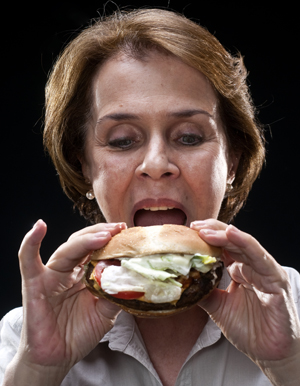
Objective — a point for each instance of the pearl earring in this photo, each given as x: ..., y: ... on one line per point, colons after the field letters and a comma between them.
x: 90, y: 195
x: 229, y: 188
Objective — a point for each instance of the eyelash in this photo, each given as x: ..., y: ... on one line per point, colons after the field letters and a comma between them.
x: 125, y: 143
x: 197, y: 139
x: 122, y: 143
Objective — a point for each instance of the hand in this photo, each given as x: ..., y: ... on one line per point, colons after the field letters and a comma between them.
x: 256, y: 312
x: 63, y: 321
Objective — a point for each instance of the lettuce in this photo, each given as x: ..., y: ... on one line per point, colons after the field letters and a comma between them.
x: 162, y: 267
x: 154, y: 275
x: 145, y: 269
x: 203, y: 263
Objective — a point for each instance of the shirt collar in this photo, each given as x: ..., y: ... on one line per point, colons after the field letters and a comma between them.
x: 122, y: 332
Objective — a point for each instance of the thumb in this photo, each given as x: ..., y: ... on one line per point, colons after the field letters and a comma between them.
x: 214, y: 302
x: 218, y: 300
x: 29, y: 254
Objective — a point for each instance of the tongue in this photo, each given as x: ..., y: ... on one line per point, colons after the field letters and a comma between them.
x: 145, y: 218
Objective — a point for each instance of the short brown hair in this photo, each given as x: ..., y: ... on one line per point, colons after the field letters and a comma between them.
x: 69, y: 97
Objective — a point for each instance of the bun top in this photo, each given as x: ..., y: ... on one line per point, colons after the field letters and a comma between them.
x: 156, y: 239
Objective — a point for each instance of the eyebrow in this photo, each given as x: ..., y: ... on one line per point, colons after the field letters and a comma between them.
x: 175, y: 114
x: 189, y: 113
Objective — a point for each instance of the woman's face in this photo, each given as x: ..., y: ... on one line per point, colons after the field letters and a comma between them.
x: 156, y: 151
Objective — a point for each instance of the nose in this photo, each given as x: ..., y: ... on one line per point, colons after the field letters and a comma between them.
x: 158, y: 161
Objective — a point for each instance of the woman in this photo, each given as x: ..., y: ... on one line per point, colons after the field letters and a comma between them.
x: 146, y: 110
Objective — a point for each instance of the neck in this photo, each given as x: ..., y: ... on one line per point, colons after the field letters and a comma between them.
x: 169, y: 340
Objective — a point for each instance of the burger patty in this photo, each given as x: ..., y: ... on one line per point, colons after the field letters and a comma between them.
x: 197, y: 285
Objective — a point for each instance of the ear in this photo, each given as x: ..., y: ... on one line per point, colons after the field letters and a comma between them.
x: 85, y: 169
x: 233, y: 163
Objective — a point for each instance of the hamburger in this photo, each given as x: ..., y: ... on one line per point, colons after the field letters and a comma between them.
x: 154, y: 271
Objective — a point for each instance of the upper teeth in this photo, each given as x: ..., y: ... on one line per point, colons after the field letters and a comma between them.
x: 155, y: 208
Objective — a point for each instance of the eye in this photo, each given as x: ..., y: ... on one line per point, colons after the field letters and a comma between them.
x: 121, y: 143
x: 190, y: 139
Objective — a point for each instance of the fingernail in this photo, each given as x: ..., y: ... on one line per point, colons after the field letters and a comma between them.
x: 102, y: 234
x: 198, y: 223
x: 36, y: 224
x: 115, y: 225
x: 232, y: 228
x: 208, y: 231
x: 121, y: 225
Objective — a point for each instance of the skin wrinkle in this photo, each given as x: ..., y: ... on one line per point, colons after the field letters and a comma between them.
x: 175, y: 114
x: 153, y: 115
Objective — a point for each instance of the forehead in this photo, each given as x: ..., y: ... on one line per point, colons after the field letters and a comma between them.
x: 157, y: 81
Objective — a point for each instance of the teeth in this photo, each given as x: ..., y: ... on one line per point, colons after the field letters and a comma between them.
x: 156, y: 208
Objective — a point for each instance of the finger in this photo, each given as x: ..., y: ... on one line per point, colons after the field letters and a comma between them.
x: 217, y: 238
x: 216, y: 299
x: 80, y: 245
x: 210, y: 226
x: 210, y: 223
x: 113, y: 228
x: 108, y: 309
x: 76, y: 250
x: 239, y: 245
x: 246, y: 249
x: 249, y: 260
x: 29, y: 253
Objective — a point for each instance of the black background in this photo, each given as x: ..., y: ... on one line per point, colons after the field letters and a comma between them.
x: 32, y: 37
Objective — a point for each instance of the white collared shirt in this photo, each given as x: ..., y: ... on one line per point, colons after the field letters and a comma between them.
x: 122, y: 359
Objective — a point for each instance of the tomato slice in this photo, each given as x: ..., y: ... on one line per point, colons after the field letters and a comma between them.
x: 102, y: 265
x: 120, y: 295
x: 128, y: 295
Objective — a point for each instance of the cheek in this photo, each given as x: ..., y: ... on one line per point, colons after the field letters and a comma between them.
x: 111, y: 177
x: 211, y: 175
x: 219, y: 178
x: 107, y: 176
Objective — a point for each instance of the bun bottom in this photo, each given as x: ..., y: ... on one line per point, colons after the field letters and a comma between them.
x: 199, y: 289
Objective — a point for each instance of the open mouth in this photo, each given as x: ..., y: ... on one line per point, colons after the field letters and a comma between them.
x: 159, y: 216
